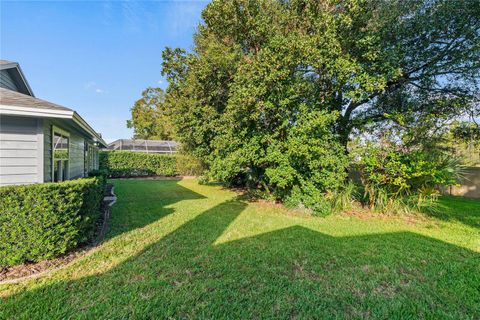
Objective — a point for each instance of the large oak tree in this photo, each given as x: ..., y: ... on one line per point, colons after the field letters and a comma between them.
x: 266, y: 75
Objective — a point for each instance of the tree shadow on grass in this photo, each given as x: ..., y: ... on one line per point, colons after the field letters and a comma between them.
x: 461, y: 209
x: 290, y: 273
x: 141, y: 202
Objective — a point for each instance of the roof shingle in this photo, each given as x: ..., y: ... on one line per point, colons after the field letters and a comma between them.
x: 6, y: 62
x: 13, y: 98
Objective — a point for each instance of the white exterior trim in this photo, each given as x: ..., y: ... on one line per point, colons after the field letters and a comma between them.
x: 36, y: 112
x: 65, y: 133
x: 52, y: 113
x: 85, y: 126
x: 25, y: 80
x: 15, y: 65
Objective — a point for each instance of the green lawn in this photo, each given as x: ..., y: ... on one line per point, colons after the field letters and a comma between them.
x: 182, y: 250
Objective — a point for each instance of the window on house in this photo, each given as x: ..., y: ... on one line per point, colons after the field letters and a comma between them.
x: 60, y: 157
x: 89, y: 158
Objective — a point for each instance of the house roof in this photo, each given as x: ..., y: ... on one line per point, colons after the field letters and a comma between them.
x: 13, y: 68
x: 15, y: 103
x: 2, y: 62
x: 13, y: 98
x: 24, y: 103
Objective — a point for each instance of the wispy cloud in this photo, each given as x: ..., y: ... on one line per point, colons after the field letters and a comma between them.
x: 132, y: 12
x: 136, y: 16
x: 92, y: 86
x: 107, y: 13
x: 186, y: 16
x: 89, y: 84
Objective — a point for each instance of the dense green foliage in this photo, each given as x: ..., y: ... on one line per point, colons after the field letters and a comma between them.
x: 395, y: 180
x: 180, y: 250
x: 464, y: 141
x: 150, y: 120
x: 273, y: 90
x: 134, y: 164
x: 123, y: 164
x: 188, y: 166
x: 41, y: 221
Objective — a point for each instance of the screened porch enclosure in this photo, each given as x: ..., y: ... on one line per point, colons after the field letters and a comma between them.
x: 146, y: 146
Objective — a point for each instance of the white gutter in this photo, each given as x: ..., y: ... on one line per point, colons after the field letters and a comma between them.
x: 38, y: 112
x: 25, y: 80
x: 85, y: 126
x: 52, y: 113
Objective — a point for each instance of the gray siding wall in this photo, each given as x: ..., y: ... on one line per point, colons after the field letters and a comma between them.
x: 26, y: 150
x: 21, y: 154
x: 6, y: 81
x: 47, y: 149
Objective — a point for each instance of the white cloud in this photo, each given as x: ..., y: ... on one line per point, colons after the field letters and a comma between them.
x: 159, y: 81
x: 92, y: 86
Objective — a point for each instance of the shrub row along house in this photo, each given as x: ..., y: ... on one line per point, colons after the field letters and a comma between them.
x: 41, y: 141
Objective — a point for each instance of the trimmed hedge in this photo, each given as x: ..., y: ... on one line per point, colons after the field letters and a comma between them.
x: 123, y: 164
x: 41, y: 221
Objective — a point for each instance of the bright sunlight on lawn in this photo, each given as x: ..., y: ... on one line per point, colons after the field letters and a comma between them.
x: 180, y: 249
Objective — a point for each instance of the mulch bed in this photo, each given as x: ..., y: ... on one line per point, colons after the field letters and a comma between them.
x: 30, y: 269
x: 33, y: 269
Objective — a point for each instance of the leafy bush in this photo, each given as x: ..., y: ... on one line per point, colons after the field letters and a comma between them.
x: 309, y: 198
x: 41, y: 221
x: 299, y: 164
x: 188, y: 165
x: 135, y: 164
x: 122, y: 164
x: 396, y: 180
x: 102, y: 173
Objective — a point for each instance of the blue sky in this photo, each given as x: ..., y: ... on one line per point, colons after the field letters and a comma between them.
x: 95, y: 57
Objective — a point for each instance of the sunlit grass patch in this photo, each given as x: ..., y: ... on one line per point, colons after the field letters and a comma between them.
x: 183, y: 250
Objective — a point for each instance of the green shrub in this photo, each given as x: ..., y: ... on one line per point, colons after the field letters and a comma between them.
x: 122, y: 164
x: 400, y: 181
x: 300, y: 165
x: 309, y: 198
x: 41, y: 221
x: 101, y: 173
x: 189, y: 166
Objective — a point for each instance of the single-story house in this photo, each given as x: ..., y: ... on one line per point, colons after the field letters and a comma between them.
x: 41, y: 141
